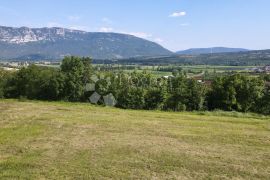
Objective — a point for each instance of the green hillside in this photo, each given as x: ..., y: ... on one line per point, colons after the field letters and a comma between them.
x: 41, y: 140
x: 245, y: 58
x: 212, y: 50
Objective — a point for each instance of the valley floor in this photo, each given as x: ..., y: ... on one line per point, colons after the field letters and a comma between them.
x: 42, y: 140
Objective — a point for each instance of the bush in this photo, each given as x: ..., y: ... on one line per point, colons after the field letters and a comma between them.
x: 131, y: 98
x: 154, y: 98
x: 235, y: 92
x: 184, y: 94
x: 2, y: 82
x: 263, y: 104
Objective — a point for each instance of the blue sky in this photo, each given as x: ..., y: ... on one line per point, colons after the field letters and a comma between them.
x: 175, y: 24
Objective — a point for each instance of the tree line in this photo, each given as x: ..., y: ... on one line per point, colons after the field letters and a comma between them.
x: 136, y: 90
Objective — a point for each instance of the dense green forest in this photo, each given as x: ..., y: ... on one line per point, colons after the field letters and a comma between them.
x: 136, y: 90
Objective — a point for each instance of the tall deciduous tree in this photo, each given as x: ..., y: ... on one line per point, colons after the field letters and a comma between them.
x: 77, y: 72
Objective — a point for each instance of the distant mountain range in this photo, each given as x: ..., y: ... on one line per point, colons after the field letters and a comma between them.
x: 197, y: 51
x: 54, y: 43
x: 247, y: 58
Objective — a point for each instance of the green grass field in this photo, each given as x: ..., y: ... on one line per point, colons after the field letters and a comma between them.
x: 195, y: 69
x: 42, y: 140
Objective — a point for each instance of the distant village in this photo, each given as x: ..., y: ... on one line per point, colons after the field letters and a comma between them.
x: 265, y: 69
x: 16, y: 65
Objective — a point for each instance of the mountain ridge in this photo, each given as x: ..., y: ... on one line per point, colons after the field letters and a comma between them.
x: 56, y: 42
x: 247, y: 58
x: 211, y: 50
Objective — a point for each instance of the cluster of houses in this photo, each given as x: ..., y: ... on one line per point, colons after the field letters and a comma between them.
x: 265, y: 69
x: 11, y: 66
x: 16, y: 65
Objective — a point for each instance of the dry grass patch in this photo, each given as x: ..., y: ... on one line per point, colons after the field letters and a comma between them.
x: 42, y: 140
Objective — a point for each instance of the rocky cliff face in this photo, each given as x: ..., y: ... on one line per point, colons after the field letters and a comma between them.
x: 25, y: 34
x: 54, y: 43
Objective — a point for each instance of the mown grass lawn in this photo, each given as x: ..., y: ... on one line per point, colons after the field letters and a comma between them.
x: 42, y: 140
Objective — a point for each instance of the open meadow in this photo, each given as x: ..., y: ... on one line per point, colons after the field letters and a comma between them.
x: 57, y: 140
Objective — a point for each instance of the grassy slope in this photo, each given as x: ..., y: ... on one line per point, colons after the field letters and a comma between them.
x: 71, y: 141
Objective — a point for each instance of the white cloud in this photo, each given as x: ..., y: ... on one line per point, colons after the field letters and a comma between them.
x: 140, y: 34
x: 144, y: 35
x: 105, y: 29
x: 107, y: 20
x: 184, y: 24
x: 158, y: 40
x: 178, y: 14
x: 81, y: 28
x: 74, y: 18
